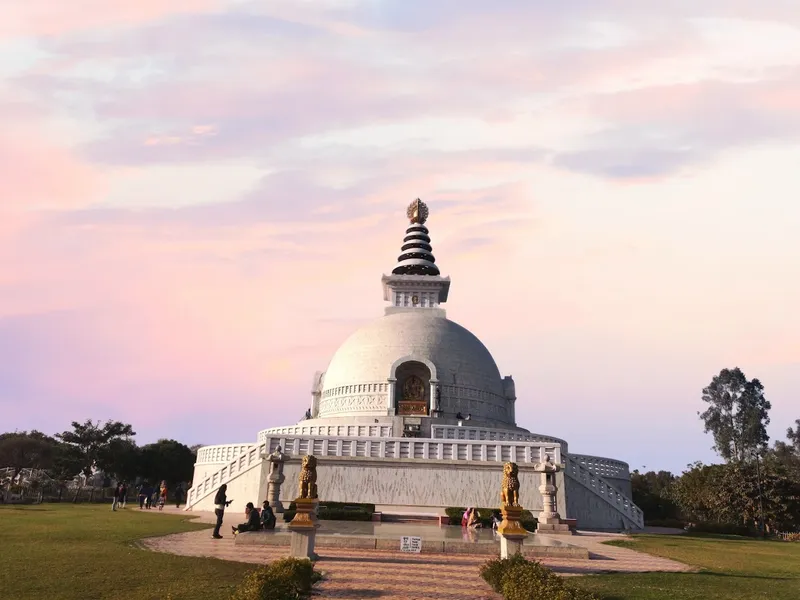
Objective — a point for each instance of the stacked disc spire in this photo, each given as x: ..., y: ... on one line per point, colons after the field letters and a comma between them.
x: 417, y: 257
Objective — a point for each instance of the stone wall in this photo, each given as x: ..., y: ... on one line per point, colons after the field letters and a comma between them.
x: 402, y: 482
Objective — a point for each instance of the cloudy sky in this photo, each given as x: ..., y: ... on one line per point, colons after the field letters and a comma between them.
x: 199, y: 198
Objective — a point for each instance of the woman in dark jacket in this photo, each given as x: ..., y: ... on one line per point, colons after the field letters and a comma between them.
x: 220, y: 502
x: 253, y: 520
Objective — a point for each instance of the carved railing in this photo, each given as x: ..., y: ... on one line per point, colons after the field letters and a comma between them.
x: 486, y: 433
x: 220, y: 453
x: 600, y: 487
x: 605, y: 467
x: 243, y: 462
x: 378, y: 430
x: 392, y: 448
x: 420, y: 449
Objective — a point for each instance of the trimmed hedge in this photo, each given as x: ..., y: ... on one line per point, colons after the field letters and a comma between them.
x: 672, y: 523
x: 337, y: 511
x: 455, y: 513
x: 517, y: 578
x: 285, y: 579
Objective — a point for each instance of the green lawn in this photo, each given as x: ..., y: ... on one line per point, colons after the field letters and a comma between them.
x: 732, y: 568
x: 85, y: 552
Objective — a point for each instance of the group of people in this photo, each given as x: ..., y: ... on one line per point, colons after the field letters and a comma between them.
x: 148, y: 495
x: 256, y: 519
x: 470, y: 519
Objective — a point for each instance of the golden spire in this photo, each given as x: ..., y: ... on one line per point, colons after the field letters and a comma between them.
x: 417, y: 211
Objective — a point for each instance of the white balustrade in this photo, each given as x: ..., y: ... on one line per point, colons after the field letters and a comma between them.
x: 420, y: 449
x: 445, y: 446
x: 606, y: 467
x: 220, y: 453
x: 600, y: 487
x: 485, y: 433
x: 366, y: 430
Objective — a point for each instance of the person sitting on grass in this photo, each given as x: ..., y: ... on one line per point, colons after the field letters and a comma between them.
x: 268, y: 518
x: 253, y: 520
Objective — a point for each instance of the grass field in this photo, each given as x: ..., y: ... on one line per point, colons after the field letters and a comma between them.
x: 84, y: 552
x: 732, y: 569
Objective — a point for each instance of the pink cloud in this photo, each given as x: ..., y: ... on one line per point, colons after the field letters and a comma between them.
x: 46, y: 18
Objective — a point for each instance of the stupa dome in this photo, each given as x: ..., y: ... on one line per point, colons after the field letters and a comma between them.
x: 414, y: 342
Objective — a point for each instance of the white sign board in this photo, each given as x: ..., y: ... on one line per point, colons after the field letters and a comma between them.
x: 410, y: 544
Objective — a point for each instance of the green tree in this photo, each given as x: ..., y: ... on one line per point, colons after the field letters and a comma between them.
x: 167, y: 460
x: 121, y: 459
x: 652, y: 493
x: 737, y: 416
x: 92, y: 441
x: 67, y: 463
x: 23, y: 450
x: 793, y: 435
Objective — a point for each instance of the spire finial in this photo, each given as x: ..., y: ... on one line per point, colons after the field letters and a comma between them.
x: 417, y: 211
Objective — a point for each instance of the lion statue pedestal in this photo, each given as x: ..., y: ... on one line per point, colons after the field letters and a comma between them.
x: 304, y: 524
x: 512, y: 533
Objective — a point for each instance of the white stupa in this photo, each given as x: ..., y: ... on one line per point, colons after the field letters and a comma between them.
x: 413, y: 415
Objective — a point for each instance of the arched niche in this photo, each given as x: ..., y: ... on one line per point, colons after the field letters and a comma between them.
x: 412, y: 388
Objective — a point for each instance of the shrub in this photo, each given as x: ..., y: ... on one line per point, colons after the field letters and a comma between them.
x: 493, y: 571
x: 285, y: 579
x: 672, y: 523
x: 337, y: 511
x: 520, y: 579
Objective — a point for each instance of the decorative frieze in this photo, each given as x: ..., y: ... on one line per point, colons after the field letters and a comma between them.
x: 361, y: 403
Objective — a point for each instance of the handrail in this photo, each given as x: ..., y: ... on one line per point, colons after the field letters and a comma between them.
x: 600, y: 487
x: 600, y: 465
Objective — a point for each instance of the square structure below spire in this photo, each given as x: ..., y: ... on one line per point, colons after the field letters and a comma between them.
x: 415, y: 292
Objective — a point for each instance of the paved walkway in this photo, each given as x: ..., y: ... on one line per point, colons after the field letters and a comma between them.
x: 358, y: 574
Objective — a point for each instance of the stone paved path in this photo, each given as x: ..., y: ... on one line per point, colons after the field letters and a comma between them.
x: 356, y: 574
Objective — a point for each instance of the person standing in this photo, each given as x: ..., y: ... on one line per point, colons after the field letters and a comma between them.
x: 163, y: 495
x: 178, y: 495
x: 115, y: 501
x: 220, y: 502
x: 123, y: 494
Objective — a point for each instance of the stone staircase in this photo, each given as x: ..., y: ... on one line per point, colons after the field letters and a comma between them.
x: 632, y: 515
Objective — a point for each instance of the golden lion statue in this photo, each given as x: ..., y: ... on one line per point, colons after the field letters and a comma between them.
x: 509, y: 492
x: 308, y: 477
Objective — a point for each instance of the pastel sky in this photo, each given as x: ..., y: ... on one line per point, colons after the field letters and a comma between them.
x: 199, y: 198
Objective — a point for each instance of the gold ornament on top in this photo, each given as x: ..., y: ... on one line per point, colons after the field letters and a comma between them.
x: 417, y: 211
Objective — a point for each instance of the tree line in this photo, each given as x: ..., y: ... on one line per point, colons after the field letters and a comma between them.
x: 756, y: 489
x: 91, y: 448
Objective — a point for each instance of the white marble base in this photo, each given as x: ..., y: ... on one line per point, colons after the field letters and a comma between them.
x: 302, y: 544
x: 510, y: 546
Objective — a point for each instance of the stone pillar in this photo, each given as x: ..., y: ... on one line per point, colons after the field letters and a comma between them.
x: 432, y: 401
x: 275, y: 479
x: 390, y: 408
x: 305, y: 523
x: 304, y: 529
x: 512, y: 533
x: 550, y: 521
